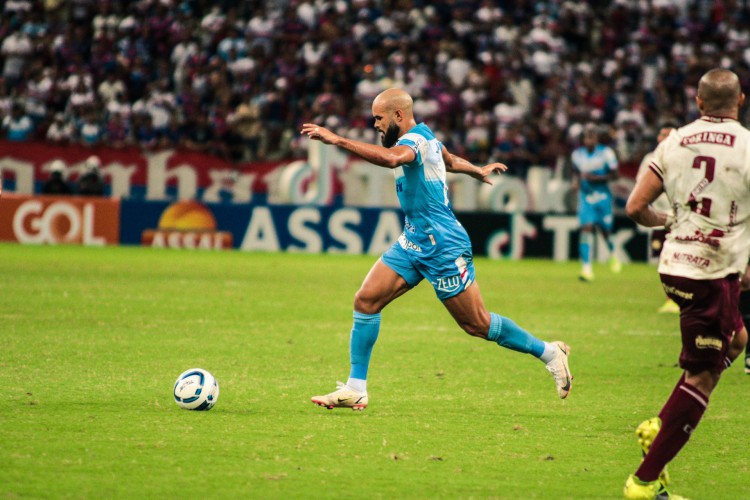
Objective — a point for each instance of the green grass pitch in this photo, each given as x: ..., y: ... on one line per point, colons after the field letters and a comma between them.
x: 92, y: 340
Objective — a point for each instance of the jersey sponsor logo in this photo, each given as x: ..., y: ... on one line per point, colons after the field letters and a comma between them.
x: 693, y: 260
x: 710, y: 138
x: 595, y: 197
x: 408, y: 245
x: 677, y: 292
x: 702, y: 342
x: 708, y: 239
x: 450, y: 284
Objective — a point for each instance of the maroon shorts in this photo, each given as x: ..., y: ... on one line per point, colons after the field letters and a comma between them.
x: 709, y: 318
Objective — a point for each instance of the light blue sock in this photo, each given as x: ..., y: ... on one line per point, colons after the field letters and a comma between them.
x: 584, y: 247
x: 364, y: 334
x: 508, y: 334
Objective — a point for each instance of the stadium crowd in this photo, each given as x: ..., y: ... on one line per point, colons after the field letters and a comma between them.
x: 511, y: 81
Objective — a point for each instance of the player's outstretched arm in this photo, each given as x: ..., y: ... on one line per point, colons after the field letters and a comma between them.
x: 460, y: 165
x: 379, y: 155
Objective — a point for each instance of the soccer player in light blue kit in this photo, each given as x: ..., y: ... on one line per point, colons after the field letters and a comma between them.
x: 433, y: 246
x: 594, y: 166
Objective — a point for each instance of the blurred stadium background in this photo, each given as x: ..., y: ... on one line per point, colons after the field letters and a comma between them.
x: 198, y: 100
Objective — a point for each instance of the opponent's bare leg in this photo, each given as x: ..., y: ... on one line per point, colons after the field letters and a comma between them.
x: 677, y: 420
x: 739, y: 341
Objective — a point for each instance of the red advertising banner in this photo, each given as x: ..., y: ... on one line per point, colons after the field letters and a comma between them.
x: 59, y: 219
x: 132, y: 172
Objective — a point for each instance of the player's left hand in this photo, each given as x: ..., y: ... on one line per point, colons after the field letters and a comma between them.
x: 318, y: 133
x: 492, y: 168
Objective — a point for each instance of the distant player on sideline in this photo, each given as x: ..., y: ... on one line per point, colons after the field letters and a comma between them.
x: 704, y: 167
x: 434, y: 245
x: 660, y: 204
x: 594, y: 166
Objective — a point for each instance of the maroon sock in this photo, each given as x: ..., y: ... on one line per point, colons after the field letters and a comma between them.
x: 670, y: 402
x: 679, y: 417
x: 727, y: 363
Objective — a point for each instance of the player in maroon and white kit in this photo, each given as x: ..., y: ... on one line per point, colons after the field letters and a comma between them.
x: 704, y: 167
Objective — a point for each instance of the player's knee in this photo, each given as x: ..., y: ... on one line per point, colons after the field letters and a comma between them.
x: 365, y: 303
x: 477, y: 327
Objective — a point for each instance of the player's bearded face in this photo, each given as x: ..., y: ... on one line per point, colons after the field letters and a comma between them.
x: 390, y: 136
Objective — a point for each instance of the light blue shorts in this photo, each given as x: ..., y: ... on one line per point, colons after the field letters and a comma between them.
x: 451, y: 271
x: 598, y: 213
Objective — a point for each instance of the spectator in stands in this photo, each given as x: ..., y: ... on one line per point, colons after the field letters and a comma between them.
x: 17, y: 126
x: 117, y: 131
x: 246, y: 122
x: 16, y: 49
x: 172, y: 135
x: 91, y: 131
x: 90, y: 183
x: 199, y: 135
x: 146, y: 137
x: 110, y: 87
x: 60, y: 131
x: 56, y: 184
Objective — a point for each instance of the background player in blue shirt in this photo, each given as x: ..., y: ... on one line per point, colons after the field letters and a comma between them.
x: 594, y: 166
x: 433, y: 246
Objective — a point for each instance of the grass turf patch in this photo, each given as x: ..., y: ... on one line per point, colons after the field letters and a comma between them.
x: 93, y: 339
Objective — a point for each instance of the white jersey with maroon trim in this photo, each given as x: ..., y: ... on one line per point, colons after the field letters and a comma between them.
x: 705, y: 167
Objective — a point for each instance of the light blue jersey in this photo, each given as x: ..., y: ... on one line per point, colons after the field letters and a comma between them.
x: 595, y: 198
x: 422, y: 190
x: 434, y: 245
x: 601, y: 161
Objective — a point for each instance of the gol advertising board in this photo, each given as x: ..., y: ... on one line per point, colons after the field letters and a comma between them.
x: 59, y: 219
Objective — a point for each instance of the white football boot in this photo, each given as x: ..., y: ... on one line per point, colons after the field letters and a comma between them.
x: 559, y: 369
x: 344, y: 397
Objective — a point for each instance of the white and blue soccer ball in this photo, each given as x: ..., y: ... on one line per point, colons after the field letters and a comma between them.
x: 196, y: 389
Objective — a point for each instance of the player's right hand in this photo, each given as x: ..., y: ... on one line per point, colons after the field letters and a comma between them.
x: 318, y: 133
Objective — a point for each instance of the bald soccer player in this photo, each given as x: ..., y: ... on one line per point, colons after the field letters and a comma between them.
x: 704, y: 167
x: 433, y: 246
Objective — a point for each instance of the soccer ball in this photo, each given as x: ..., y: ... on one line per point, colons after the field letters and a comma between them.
x: 196, y: 389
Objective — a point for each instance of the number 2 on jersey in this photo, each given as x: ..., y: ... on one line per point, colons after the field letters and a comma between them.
x: 702, y: 205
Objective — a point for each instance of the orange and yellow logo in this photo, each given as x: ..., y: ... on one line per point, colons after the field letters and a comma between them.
x: 187, y: 224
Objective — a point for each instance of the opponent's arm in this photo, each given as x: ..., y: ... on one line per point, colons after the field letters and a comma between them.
x: 638, y: 207
x: 459, y: 165
x: 379, y: 155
